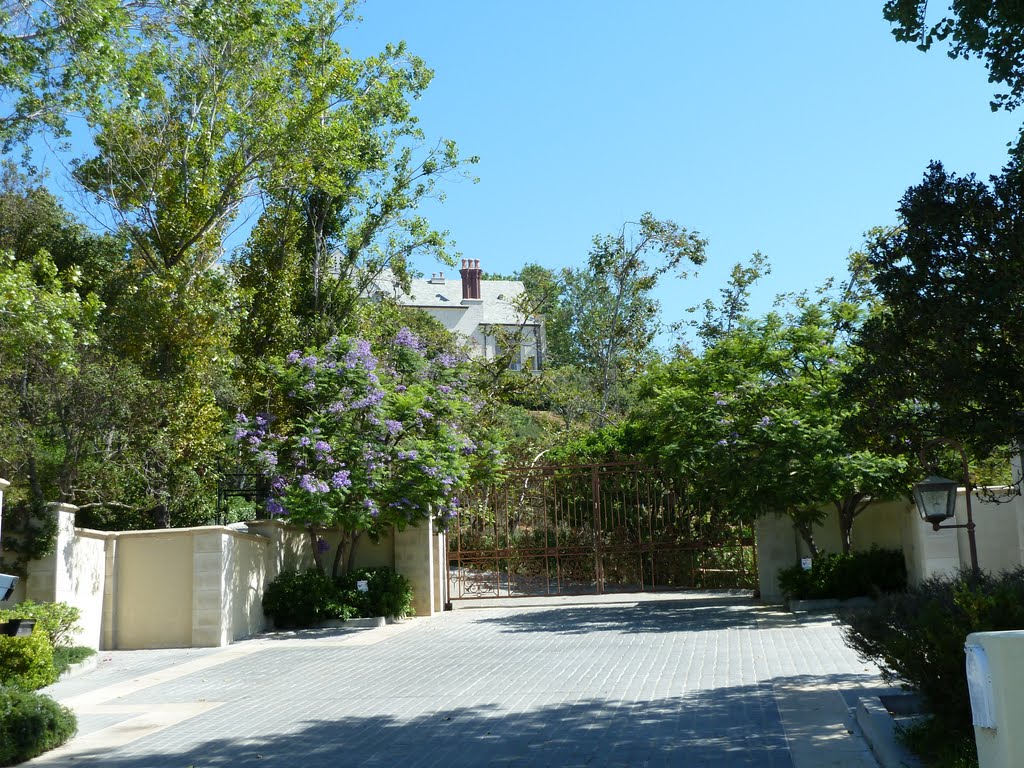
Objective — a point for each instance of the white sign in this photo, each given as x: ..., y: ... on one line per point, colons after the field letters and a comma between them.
x: 362, y: 586
x: 979, y: 684
x: 805, y: 563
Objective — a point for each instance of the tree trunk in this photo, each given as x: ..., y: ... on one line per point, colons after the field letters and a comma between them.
x: 314, y: 545
x: 847, y: 512
x: 806, y: 531
x: 339, y: 556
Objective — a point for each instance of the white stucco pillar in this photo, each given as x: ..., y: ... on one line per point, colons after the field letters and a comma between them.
x: 51, y: 578
x: 776, y: 549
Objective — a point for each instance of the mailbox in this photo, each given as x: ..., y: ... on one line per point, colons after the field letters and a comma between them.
x: 7, y: 583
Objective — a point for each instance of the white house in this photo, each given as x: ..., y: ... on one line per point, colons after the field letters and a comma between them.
x: 483, y: 312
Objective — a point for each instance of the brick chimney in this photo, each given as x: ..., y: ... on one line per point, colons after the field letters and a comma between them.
x: 470, y: 278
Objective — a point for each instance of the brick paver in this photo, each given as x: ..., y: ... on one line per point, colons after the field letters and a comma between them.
x: 665, y: 680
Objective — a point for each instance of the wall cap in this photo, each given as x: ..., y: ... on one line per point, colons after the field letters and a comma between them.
x: 154, y: 532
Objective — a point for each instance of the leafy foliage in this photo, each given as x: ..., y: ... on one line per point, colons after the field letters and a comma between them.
x: 388, y: 593
x: 364, y: 443
x: 58, y: 621
x: 761, y: 417
x: 606, y: 319
x: 27, y: 662
x: 974, y: 28
x: 303, y: 598
x: 918, y: 637
x: 64, y: 656
x: 941, y: 358
x: 30, y: 724
x: 845, y: 575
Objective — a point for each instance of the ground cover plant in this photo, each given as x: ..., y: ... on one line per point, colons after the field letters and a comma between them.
x: 917, y: 639
x: 845, y: 575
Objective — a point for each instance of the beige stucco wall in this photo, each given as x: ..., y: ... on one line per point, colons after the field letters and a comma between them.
x: 153, y: 602
x: 246, y: 580
x: 194, y: 587
x: 999, y: 532
x: 83, y: 584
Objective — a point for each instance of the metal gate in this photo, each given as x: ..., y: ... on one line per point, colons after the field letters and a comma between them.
x: 591, y: 529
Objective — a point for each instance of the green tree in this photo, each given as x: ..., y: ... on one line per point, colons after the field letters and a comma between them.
x: 943, y: 355
x: 606, y: 318
x: 988, y: 29
x: 359, y: 443
x: 760, y: 422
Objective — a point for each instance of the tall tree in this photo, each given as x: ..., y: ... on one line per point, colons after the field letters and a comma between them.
x: 944, y: 355
x: 759, y: 420
x: 607, y: 316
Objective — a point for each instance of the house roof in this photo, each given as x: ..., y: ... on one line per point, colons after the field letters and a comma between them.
x: 497, y: 300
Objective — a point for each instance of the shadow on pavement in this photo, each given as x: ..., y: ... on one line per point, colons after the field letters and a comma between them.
x: 732, y: 726
x: 691, y: 615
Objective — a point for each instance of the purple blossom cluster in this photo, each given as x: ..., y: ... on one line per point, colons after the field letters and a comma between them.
x: 360, y: 356
x: 406, y: 338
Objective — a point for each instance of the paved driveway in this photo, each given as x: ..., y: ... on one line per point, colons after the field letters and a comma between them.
x: 696, y: 679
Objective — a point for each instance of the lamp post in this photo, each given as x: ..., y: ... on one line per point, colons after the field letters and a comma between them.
x: 936, y: 498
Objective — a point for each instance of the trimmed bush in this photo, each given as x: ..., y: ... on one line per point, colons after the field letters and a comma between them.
x: 58, y: 620
x: 842, y: 576
x: 30, y: 724
x: 27, y: 662
x: 389, y: 593
x: 304, y: 598
x: 917, y: 638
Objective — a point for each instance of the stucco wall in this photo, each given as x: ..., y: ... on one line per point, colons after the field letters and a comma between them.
x: 999, y: 534
x: 245, y: 573
x: 153, y: 602
x: 194, y: 587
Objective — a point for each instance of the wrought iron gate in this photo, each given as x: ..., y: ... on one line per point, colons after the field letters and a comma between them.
x: 590, y: 529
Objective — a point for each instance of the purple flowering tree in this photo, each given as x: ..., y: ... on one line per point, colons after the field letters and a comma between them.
x: 362, y: 440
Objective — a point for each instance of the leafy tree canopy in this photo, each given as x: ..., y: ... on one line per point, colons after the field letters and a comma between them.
x: 944, y: 354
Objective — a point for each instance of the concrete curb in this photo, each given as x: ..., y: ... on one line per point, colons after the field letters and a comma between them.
x: 376, y: 621
x: 827, y: 605
x: 879, y: 731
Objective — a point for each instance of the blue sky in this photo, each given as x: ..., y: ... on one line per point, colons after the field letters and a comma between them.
x: 786, y: 127
x: 790, y: 127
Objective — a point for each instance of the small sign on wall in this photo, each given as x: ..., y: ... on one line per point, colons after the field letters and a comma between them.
x: 805, y: 563
x: 979, y: 685
x: 362, y: 585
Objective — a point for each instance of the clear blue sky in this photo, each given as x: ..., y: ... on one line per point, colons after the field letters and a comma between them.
x: 789, y: 127
x: 786, y: 127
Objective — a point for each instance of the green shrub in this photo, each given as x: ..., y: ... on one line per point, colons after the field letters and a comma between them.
x: 842, y: 576
x: 58, y: 620
x: 388, y: 593
x: 30, y: 724
x: 303, y: 599
x: 939, y: 747
x: 918, y: 637
x: 27, y: 662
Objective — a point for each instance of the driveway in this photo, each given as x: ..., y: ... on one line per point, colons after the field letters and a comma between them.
x: 692, y: 679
